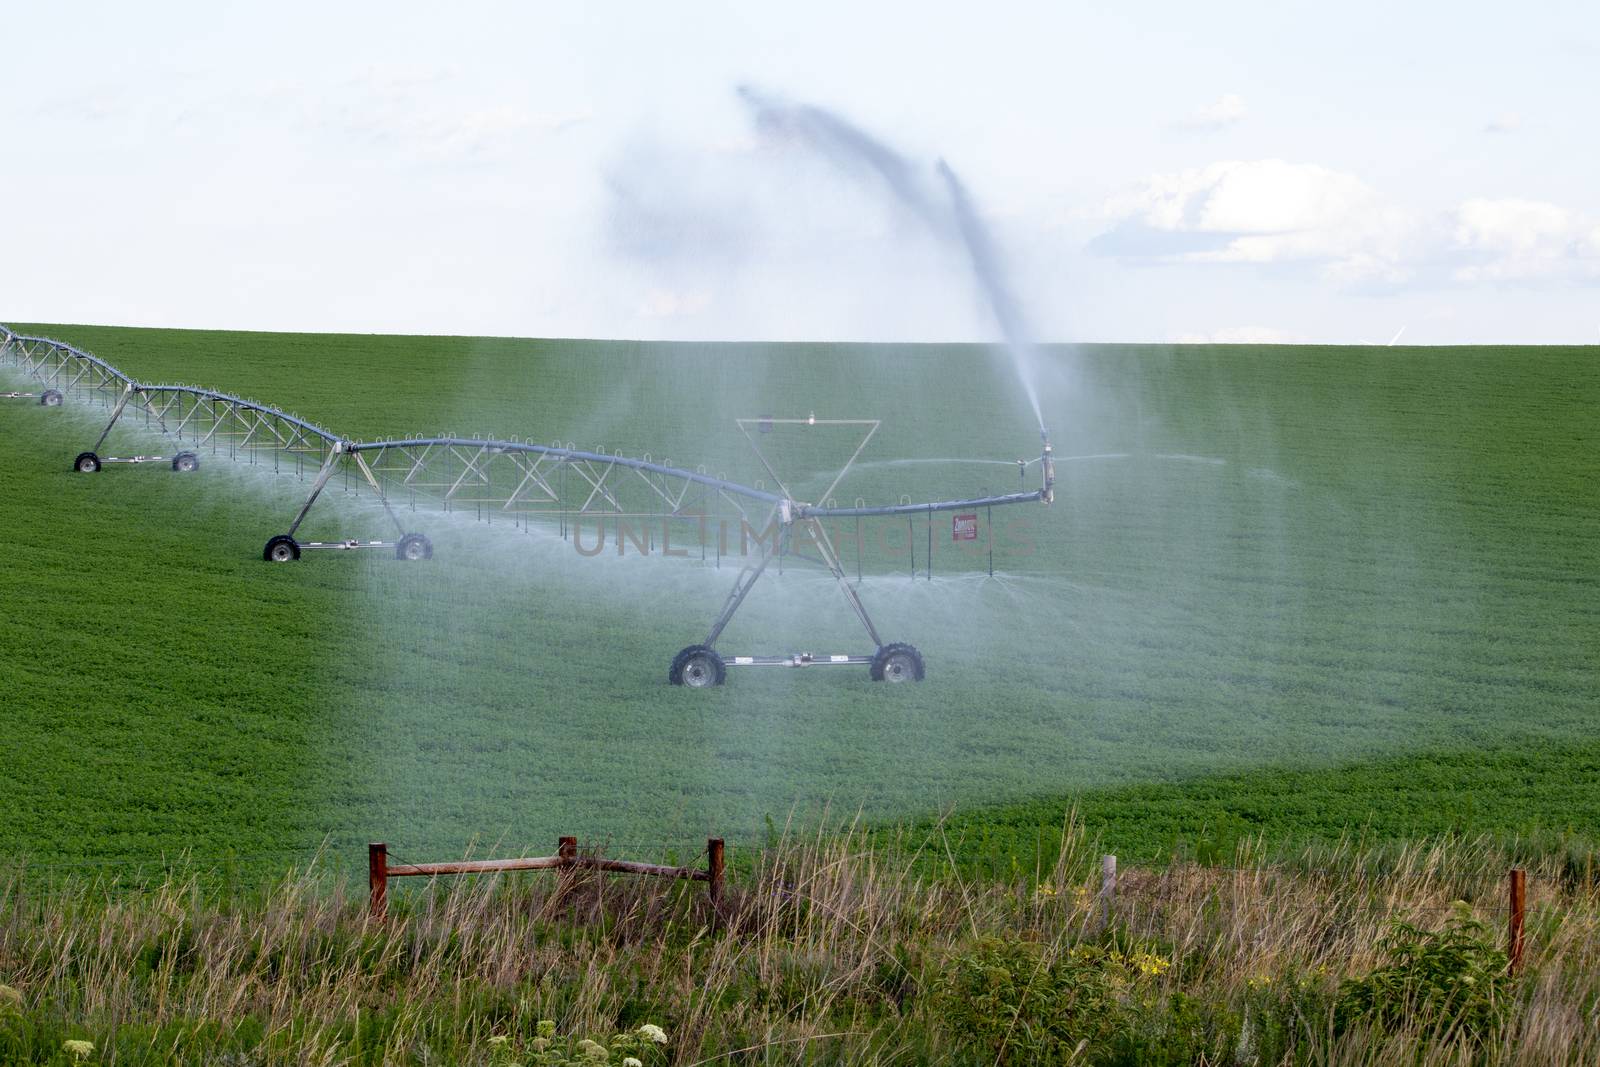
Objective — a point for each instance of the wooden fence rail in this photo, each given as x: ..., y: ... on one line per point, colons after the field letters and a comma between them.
x: 567, y: 857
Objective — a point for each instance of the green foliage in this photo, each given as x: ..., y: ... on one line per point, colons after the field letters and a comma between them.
x: 1449, y: 982
x: 1021, y: 1004
x: 1369, y: 602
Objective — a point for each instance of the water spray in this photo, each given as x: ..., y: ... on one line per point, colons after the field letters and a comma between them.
x: 954, y: 216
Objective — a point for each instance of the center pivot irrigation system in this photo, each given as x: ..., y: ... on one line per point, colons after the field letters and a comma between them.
x: 518, y: 480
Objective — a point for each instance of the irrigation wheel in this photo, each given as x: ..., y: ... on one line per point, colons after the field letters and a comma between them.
x: 412, y: 547
x: 697, y: 666
x: 185, y: 462
x: 86, y: 463
x: 50, y: 398
x: 281, y: 549
x: 898, y: 663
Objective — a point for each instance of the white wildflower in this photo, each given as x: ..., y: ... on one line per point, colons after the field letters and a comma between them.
x: 654, y: 1033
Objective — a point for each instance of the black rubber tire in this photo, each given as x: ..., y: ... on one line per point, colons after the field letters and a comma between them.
x: 898, y: 663
x: 185, y: 461
x: 281, y: 549
x: 86, y: 463
x: 50, y: 398
x: 698, y: 667
x: 414, y: 546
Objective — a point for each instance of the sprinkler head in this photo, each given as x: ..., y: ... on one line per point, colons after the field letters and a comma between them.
x: 1047, y: 465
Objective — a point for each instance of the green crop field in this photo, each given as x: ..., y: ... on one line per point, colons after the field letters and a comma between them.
x: 1291, y: 591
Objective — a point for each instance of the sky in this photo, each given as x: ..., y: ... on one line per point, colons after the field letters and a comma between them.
x: 1295, y: 172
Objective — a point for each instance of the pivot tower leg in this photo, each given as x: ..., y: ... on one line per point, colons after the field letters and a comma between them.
x: 116, y: 413
x: 366, y: 472
x: 317, y: 486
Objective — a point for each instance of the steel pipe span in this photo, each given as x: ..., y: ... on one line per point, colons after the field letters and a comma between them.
x: 804, y: 512
x: 8, y: 338
x: 568, y: 454
x: 77, y: 353
x: 921, y: 509
x: 208, y: 394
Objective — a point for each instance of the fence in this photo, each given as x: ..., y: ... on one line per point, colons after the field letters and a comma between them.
x: 1116, y: 891
x: 567, y: 858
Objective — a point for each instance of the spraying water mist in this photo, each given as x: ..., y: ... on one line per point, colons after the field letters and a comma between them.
x: 987, y: 269
x: 957, y: 219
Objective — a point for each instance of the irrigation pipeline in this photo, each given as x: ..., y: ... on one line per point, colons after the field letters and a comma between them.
x: 16, y: 347
x: 31, y: 354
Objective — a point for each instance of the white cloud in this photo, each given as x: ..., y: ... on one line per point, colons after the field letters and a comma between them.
x: 1514, y: 227
x: 1221, y: 112
x: 1523, y: 240
x: 1299, y: 216
x: 390, y: 76
x: 1505, y: 122
x: 1263, y: 212
x: 1241, y: 335
x: 98, y: 105
x: 672, y: 303
x: 451, y: 132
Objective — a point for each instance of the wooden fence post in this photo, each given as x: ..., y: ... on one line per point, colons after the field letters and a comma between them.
x: 1108, y: 888
x: 378, y: 880
x: 1519, y: 900
x: 714, y: 871
x: 567, y: 872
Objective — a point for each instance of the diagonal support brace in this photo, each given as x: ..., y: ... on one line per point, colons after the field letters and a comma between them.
x: 116, y: 413
x: 317, y: 486
x: 383, y: 497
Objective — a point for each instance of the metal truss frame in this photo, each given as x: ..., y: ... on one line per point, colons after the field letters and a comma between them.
x: 511, y: 478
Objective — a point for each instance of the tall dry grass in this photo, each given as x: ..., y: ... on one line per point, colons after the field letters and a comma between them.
x: 831, y: 948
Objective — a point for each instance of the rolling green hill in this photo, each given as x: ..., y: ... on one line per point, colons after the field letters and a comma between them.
x: 1283, y: 590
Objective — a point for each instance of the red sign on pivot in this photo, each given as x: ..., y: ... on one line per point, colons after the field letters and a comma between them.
x: 963, y: 527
